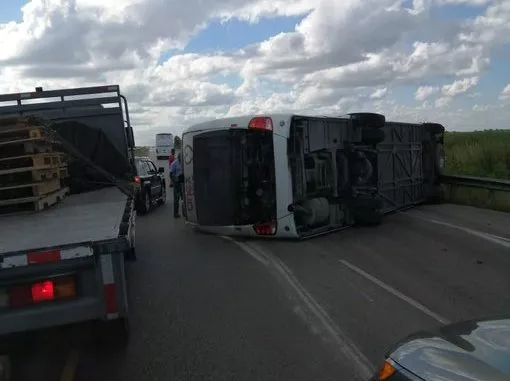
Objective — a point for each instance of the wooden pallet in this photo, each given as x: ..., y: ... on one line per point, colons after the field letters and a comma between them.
x: 40, y: 188
x: 36, y: 175
x: 35, y: 203
x: 32, y: 161
x: 21, y: 132
x: 27, y: 148
x: 14, y: 120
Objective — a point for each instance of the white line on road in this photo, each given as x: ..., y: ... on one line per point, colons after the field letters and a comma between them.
x: 395, y: 292
x: 321, y: 317
x: 505, y: 242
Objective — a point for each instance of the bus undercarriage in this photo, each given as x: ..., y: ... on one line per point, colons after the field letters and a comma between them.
x: 351, y: 171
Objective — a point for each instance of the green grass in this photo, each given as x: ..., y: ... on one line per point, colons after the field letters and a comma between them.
x: 478, y: 153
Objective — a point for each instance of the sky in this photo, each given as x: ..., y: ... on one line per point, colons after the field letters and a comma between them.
x: 184, y: 62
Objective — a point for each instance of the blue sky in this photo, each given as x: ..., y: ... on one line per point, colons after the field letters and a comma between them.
x: 10, y: 10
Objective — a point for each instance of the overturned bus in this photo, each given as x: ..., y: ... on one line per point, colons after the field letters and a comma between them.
x: 293, y: 176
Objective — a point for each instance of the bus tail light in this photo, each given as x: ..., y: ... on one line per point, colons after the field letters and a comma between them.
x: 265, y: 228
x: 261, y: 123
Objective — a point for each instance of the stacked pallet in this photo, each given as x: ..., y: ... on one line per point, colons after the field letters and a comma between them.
x: 32, y: 167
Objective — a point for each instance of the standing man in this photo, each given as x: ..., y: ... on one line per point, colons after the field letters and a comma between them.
x: 171, y: 159
x: 176, y: 176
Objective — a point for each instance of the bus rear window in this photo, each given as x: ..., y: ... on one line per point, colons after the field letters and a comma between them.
x: 234, y: 177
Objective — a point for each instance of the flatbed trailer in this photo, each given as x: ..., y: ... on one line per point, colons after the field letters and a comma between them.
x: 66, y: 264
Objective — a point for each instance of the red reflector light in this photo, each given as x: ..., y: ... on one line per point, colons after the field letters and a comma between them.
x: 43, y: 291
x: 110, y: 296
x: 266, y: 228
x: 261, y: 123
x: 137, y: 179
x: 44, y: 256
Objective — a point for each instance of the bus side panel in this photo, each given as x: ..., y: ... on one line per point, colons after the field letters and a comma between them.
x: 189, y: 204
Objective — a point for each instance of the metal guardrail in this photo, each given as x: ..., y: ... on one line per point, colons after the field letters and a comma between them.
x: 477, y: 182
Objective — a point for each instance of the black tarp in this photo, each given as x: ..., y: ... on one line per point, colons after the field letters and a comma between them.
x: 94, y: 145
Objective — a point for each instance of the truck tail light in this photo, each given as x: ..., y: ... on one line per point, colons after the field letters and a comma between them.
x: 261, y: 123
x: 265, y: 228
x: 43, y: 291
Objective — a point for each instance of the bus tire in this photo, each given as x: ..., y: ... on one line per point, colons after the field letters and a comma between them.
x: 435, y: 196
x: 434, y: 128
x: 368, y: 119
x: 368, y: 217
x: 372, y: 136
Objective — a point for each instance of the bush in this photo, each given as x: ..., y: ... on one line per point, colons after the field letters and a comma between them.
x: 479, y: 153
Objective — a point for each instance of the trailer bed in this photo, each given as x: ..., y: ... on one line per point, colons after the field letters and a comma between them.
x: 92, y: 216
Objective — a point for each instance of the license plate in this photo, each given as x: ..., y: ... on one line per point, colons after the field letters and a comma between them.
x: 4, y: 298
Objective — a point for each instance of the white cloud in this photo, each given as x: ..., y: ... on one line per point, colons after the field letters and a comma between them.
x: 343, y: 56
x: 379, y: 93
x: 442, y: 102
x: 505, y: 93
x: 424, y: 92
x: 458, y: 87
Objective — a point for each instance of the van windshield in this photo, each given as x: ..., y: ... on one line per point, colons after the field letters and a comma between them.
x: 234, y: 177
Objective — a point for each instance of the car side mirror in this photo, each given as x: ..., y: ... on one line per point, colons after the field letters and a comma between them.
x: 161, y: 170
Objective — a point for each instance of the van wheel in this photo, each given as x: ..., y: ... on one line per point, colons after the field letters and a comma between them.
x: 368, y: 119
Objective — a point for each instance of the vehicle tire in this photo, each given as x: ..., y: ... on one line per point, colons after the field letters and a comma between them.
x: 368, y: 119
x: 5, y: 368
x: 162, y: 199
x: 115, y: 333
x: 130, y: 254
x: 434, y: 128
x: 435, y: 196
x: 366, y: 211
x: 146, y: 203
x: 368, y: 217
x: 372, y: 136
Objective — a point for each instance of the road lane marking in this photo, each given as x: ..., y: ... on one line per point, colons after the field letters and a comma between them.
x: 247, y: 249
x: 395, y: 292
x: 70, y: 365
x: 505, y: 242
x: 320, y: 317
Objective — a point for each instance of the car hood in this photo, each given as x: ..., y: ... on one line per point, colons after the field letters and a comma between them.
x: 476, y: 350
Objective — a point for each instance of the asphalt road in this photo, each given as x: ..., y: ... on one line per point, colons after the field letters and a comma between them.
x: 207, y: 308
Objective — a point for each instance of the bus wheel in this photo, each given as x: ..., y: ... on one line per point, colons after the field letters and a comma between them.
x: 372, y: 136
x: 435, y: 196
x: 368, y: 217
x: 434, y: 128
x: 368, y: 119
x: 366, y: 211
